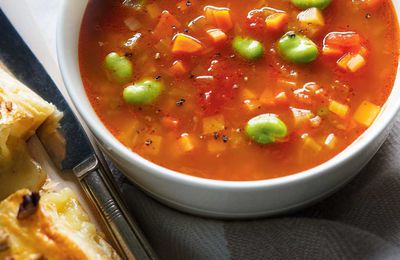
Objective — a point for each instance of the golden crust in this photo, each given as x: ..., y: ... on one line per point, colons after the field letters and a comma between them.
x: 59, y: 229
x: 21, y: 113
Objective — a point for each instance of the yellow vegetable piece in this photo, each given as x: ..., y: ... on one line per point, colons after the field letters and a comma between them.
x: 342, y: 62
x: 366, y: 113
x: 338, y: 108
x: 213, y: 124
x: 301, y: 116
x: 186, y: 143
x: 310, y: 143
x: 356, y: 62
x: 311, y: 16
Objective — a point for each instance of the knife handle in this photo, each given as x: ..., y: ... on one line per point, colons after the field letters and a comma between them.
x: 124, y: 231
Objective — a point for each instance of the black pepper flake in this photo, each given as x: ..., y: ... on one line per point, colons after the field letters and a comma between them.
x: 216, y: 135
x: 148, y: 142
x: 368, y: 16
x: 225, y: 138
x: 291, y: 34
x: 186, y: 30
x: 188, y: 3
x: 28, y: 205
x: 128, y: 54
x: 180, y: 102
x: 158, y: 77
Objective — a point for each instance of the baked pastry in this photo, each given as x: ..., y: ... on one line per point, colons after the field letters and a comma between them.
x: 21, y: 113
x: 51, y: 225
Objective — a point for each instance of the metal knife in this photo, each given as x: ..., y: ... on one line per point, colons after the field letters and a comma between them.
x: 79, y: 155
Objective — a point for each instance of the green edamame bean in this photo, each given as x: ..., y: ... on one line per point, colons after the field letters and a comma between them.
x: 248, y: 48
x: 266, y: 129
x: 118, y: 67
x: 304, y: 4
x: 144, y: 92
x: 297, y: 48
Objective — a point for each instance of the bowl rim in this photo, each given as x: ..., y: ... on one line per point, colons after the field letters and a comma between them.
x: 383, y: 120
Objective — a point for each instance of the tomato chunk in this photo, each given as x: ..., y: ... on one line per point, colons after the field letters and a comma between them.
x: 166, y: 26
x: 343, y: 39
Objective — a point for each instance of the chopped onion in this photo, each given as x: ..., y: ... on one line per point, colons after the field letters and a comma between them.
x: 133, y: 24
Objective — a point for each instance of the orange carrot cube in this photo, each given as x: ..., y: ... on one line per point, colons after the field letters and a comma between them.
x: 277, y: 21
x: 185, y: 44
x: 217, y: 36
x: 178, y: 68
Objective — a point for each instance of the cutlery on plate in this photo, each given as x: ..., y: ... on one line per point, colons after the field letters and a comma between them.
x: 79, y: 154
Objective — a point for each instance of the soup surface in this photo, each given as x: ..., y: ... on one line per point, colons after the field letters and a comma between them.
x: 238, y: 90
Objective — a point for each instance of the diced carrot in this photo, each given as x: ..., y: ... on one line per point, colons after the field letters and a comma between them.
x: 281, y: 98
x: 267, y: 97
x: 197, y: 23
x: 153, y: 10
x: 186, y: 143
x: 343, y: 61
x: 166, y: 26
x: 366, y: 113
x: 221, y: 17
x: 217, y: 36
x: 330, y: 141
x: 331, y: 51
x: 355, y: 63
x: 277, y: 21
x: 170, y: 122
x: 213, y: 124
x: 178, y: 68
x: 216, y: 146
x: 310, y: 142
x: 185, y: 44
x: 338, y: 108
x: 252, y: 105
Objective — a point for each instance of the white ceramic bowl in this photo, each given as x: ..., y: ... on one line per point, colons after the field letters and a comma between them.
x: 209, y: 197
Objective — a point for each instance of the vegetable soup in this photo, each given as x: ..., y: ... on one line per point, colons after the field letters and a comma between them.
x: 238, y: 90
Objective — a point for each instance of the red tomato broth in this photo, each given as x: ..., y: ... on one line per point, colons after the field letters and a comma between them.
x: 236, y: 157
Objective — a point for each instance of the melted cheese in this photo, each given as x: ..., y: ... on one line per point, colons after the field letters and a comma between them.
x: 59, y: 229
x: 21, y: 113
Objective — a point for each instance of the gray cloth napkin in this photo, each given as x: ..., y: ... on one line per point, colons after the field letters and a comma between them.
x: 361, y: 221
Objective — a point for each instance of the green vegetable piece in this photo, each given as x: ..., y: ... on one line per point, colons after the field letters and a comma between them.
x: 248, y: 48
x: 297, y: 48
x: 266, y: 129
x: 119, y: 68
x: 144, y: 92
x: 304, y: 4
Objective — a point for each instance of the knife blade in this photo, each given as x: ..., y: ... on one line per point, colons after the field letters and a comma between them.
x: 79, y: 154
